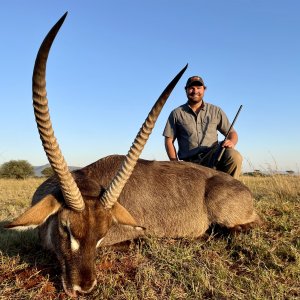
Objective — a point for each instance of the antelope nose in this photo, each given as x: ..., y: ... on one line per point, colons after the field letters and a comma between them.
x: 87, y: 288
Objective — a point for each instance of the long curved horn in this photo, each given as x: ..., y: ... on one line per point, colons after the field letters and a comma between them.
x: 72, y: 195
x: 115, y: 188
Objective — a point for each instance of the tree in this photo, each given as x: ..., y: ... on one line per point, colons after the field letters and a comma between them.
x: 291, y: 172
x: 47, y: 172
x: 19, y: 169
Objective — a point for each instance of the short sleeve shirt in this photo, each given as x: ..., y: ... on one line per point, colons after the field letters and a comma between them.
x: 195, y: 131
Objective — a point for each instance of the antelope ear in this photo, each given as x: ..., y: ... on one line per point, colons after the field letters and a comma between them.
x: 122, y: 216
x: 36, y: 215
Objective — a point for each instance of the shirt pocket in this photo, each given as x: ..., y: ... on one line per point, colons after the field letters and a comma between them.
x: 209, y: 129
x: 186, y: 128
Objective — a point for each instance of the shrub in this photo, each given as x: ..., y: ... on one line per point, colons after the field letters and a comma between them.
x: 18, y: 169
x: 47, y: 172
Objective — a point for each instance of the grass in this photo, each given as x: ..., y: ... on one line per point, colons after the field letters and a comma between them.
x: 262, y: 264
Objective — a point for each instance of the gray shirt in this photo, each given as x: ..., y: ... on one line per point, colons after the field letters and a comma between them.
x: 195, y: 132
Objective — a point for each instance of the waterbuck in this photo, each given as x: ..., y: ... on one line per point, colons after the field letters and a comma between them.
x: 119, y: 198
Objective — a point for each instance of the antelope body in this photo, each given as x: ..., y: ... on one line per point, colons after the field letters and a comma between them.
x: 166, y: 199
x: 119, y: 198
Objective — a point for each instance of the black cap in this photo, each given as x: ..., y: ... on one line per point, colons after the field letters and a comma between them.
x: 194, y: 80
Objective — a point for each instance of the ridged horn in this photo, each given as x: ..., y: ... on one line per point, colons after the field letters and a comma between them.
x: 71, y: 193
x: 116, y: 186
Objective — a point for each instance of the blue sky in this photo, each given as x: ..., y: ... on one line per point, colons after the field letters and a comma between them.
x: 112, y: 59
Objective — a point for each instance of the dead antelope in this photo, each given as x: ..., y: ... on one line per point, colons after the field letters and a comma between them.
x: 119, y: 198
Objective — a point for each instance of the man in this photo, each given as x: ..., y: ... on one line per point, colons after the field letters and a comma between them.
x: 195, y: 125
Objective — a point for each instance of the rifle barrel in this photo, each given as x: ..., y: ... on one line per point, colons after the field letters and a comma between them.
x: 226, y: 136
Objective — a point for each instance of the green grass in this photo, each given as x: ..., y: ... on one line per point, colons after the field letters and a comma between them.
x: 262, y: 264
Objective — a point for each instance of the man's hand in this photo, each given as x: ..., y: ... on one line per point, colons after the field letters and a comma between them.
x: 228, y: 144
x: 231, y: 140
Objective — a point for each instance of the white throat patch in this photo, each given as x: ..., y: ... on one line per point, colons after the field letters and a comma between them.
x: 99, y: 242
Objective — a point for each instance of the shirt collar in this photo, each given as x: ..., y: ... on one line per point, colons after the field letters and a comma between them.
x: 203, y: 106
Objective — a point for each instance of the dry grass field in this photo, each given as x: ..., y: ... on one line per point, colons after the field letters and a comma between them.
x: 262, y: 264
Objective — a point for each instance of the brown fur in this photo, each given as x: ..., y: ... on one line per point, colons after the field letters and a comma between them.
x: 173, y: 199
x: 165, y: 199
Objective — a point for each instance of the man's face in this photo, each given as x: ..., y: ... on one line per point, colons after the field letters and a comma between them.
x: 195, y: 93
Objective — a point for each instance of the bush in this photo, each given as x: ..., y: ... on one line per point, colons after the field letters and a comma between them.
x: 47, y: 172
x: 18, y: 169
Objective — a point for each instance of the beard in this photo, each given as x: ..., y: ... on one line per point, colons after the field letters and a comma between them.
x: 193, y: 99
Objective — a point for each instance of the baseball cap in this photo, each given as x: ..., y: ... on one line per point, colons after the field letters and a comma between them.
x: 194, y: 80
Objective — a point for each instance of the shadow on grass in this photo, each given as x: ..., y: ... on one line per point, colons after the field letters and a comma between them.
x: 24, y: 248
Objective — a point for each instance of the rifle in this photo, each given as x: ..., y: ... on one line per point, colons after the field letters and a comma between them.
x: 226, y: 136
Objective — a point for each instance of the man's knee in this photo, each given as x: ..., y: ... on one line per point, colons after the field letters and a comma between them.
x: 231, y: 163
x: 233, y: 156
x: 237, y: 157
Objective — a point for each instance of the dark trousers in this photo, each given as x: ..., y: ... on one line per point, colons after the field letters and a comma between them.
x: 231, y: 160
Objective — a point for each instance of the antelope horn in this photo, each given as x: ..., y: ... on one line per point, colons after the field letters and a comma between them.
x: 116, y: 186
x: 72, y: 195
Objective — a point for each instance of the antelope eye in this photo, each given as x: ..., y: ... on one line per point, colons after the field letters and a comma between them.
x: 64, y: 230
